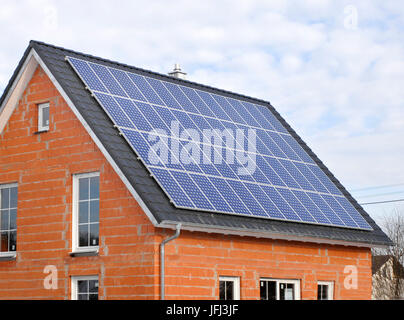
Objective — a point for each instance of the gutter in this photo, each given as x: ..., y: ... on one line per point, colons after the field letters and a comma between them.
x: 162, y: 259
x: 197, y: 227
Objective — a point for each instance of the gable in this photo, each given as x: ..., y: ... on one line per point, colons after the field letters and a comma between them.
x: 158, y: 207
x: 30, y: 63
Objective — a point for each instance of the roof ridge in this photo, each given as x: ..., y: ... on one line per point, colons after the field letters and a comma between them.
x: 183, y: 81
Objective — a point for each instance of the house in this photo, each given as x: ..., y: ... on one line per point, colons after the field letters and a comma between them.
x: 83, y: 218
x: 387, y: 278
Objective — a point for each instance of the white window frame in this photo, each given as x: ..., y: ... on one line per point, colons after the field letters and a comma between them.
x: 41, y: 107
x: 74, y: 285
x: 330, y: 290
x: 296, y: 282
x: 8, y: 254
x: 75, y: 208
x: 236, y: 285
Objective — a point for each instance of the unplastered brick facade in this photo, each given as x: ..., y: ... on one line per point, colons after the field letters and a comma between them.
x: 128, y: 261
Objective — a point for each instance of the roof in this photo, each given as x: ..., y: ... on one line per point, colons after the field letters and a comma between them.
x: 379, y: 260
x: 159, y: 208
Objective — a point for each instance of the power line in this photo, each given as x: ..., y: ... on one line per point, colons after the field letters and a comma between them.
x: 378, y: 187
x: 377, y: 202
x: 380, y: 194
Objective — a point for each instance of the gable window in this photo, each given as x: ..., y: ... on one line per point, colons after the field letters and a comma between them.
x: 8, y: 219
x: 325, y: 290
x: 86, y: 207
x: 229, y: 288
x: 85, y: 288
x: 274, y: 289
x: 43, y: 117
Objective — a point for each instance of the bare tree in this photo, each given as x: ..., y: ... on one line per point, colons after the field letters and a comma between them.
x: 391, y: 282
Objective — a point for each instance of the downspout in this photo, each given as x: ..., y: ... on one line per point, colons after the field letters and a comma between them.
x: 162, y: 264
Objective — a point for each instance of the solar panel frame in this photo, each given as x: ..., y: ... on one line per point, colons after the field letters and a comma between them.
x: 364, y: 224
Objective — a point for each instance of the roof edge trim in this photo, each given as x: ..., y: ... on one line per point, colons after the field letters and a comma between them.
x: 195, y: 227
x: 16, y: 88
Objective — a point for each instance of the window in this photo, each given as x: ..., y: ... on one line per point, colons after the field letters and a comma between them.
x: 273, y: 289
x: 8, y: 218
x: 43, y: 117
x: 86, y: 207
x: 85, y: 288
x: 229, y: 288
x: 325, y: 290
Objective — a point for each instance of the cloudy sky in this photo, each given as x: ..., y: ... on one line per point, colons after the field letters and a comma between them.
x: 333, y: 69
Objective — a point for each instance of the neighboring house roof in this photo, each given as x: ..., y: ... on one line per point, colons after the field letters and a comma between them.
x: 145, y: 189
x: 380, y: 260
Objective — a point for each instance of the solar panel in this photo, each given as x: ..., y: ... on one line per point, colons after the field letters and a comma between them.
x: 215, y: 153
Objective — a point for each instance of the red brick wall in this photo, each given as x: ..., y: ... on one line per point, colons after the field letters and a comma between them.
x: 128, y: 263
x: 43, y: 165
x: 195, y: 261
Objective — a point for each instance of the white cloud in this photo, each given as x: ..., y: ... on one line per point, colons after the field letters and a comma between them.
x: 340, y: 89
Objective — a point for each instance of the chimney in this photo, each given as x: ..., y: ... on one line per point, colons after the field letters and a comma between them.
x: 177, y: 72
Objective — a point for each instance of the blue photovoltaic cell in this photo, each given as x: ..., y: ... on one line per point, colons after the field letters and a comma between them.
x: 228, y: 109
x: 211, y: 192
x: 295, y: 146
x: 172, y: 187
x: 133, y: 113
x: 240, y: 189
x: 336, y: 207
x: 197, y: 102
x: 151, y: 116
x: 270, y: 208
x: 325, y: 208
x: 324, y: 180
x: 192, y: 190
x: 286, y: 149
x: 145, y: 88
x: 300, y: 210
x: 88, y: 75
x: 311, y: 207
x: 318, y: 186
x: 270, y: 144
x: 243, y: 112
x: 298, y: 176
x: 198, y: 145
x: 184, y: 102
x: 131, y: 90
x: 164, y: 94
x: 255, y: 113
x: 213, y: 105
x: 272, y: 119
x: 137, y: 141
x: 227, y: 192
x: 349, y: 208
x: 281, y: 204
x: 106, y: 77
x: 115, y: 112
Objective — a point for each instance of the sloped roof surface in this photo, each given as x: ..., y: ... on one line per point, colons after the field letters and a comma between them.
x: 138, y: 176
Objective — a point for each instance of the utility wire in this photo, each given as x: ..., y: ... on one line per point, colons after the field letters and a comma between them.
x: 380, y: 194
x: 377, y: 202
x: 378, y: 187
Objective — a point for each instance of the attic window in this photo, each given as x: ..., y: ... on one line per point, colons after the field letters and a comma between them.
x: 43, y: 117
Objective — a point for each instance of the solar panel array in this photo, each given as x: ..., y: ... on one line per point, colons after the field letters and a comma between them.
x: 200, y: 170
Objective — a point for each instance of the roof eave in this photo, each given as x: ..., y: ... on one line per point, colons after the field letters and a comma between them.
x: 195, y: 227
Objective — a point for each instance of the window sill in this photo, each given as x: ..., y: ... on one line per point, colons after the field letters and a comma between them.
x: 41, y: 131
x: 88, y: 252
x: 8, y: 256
